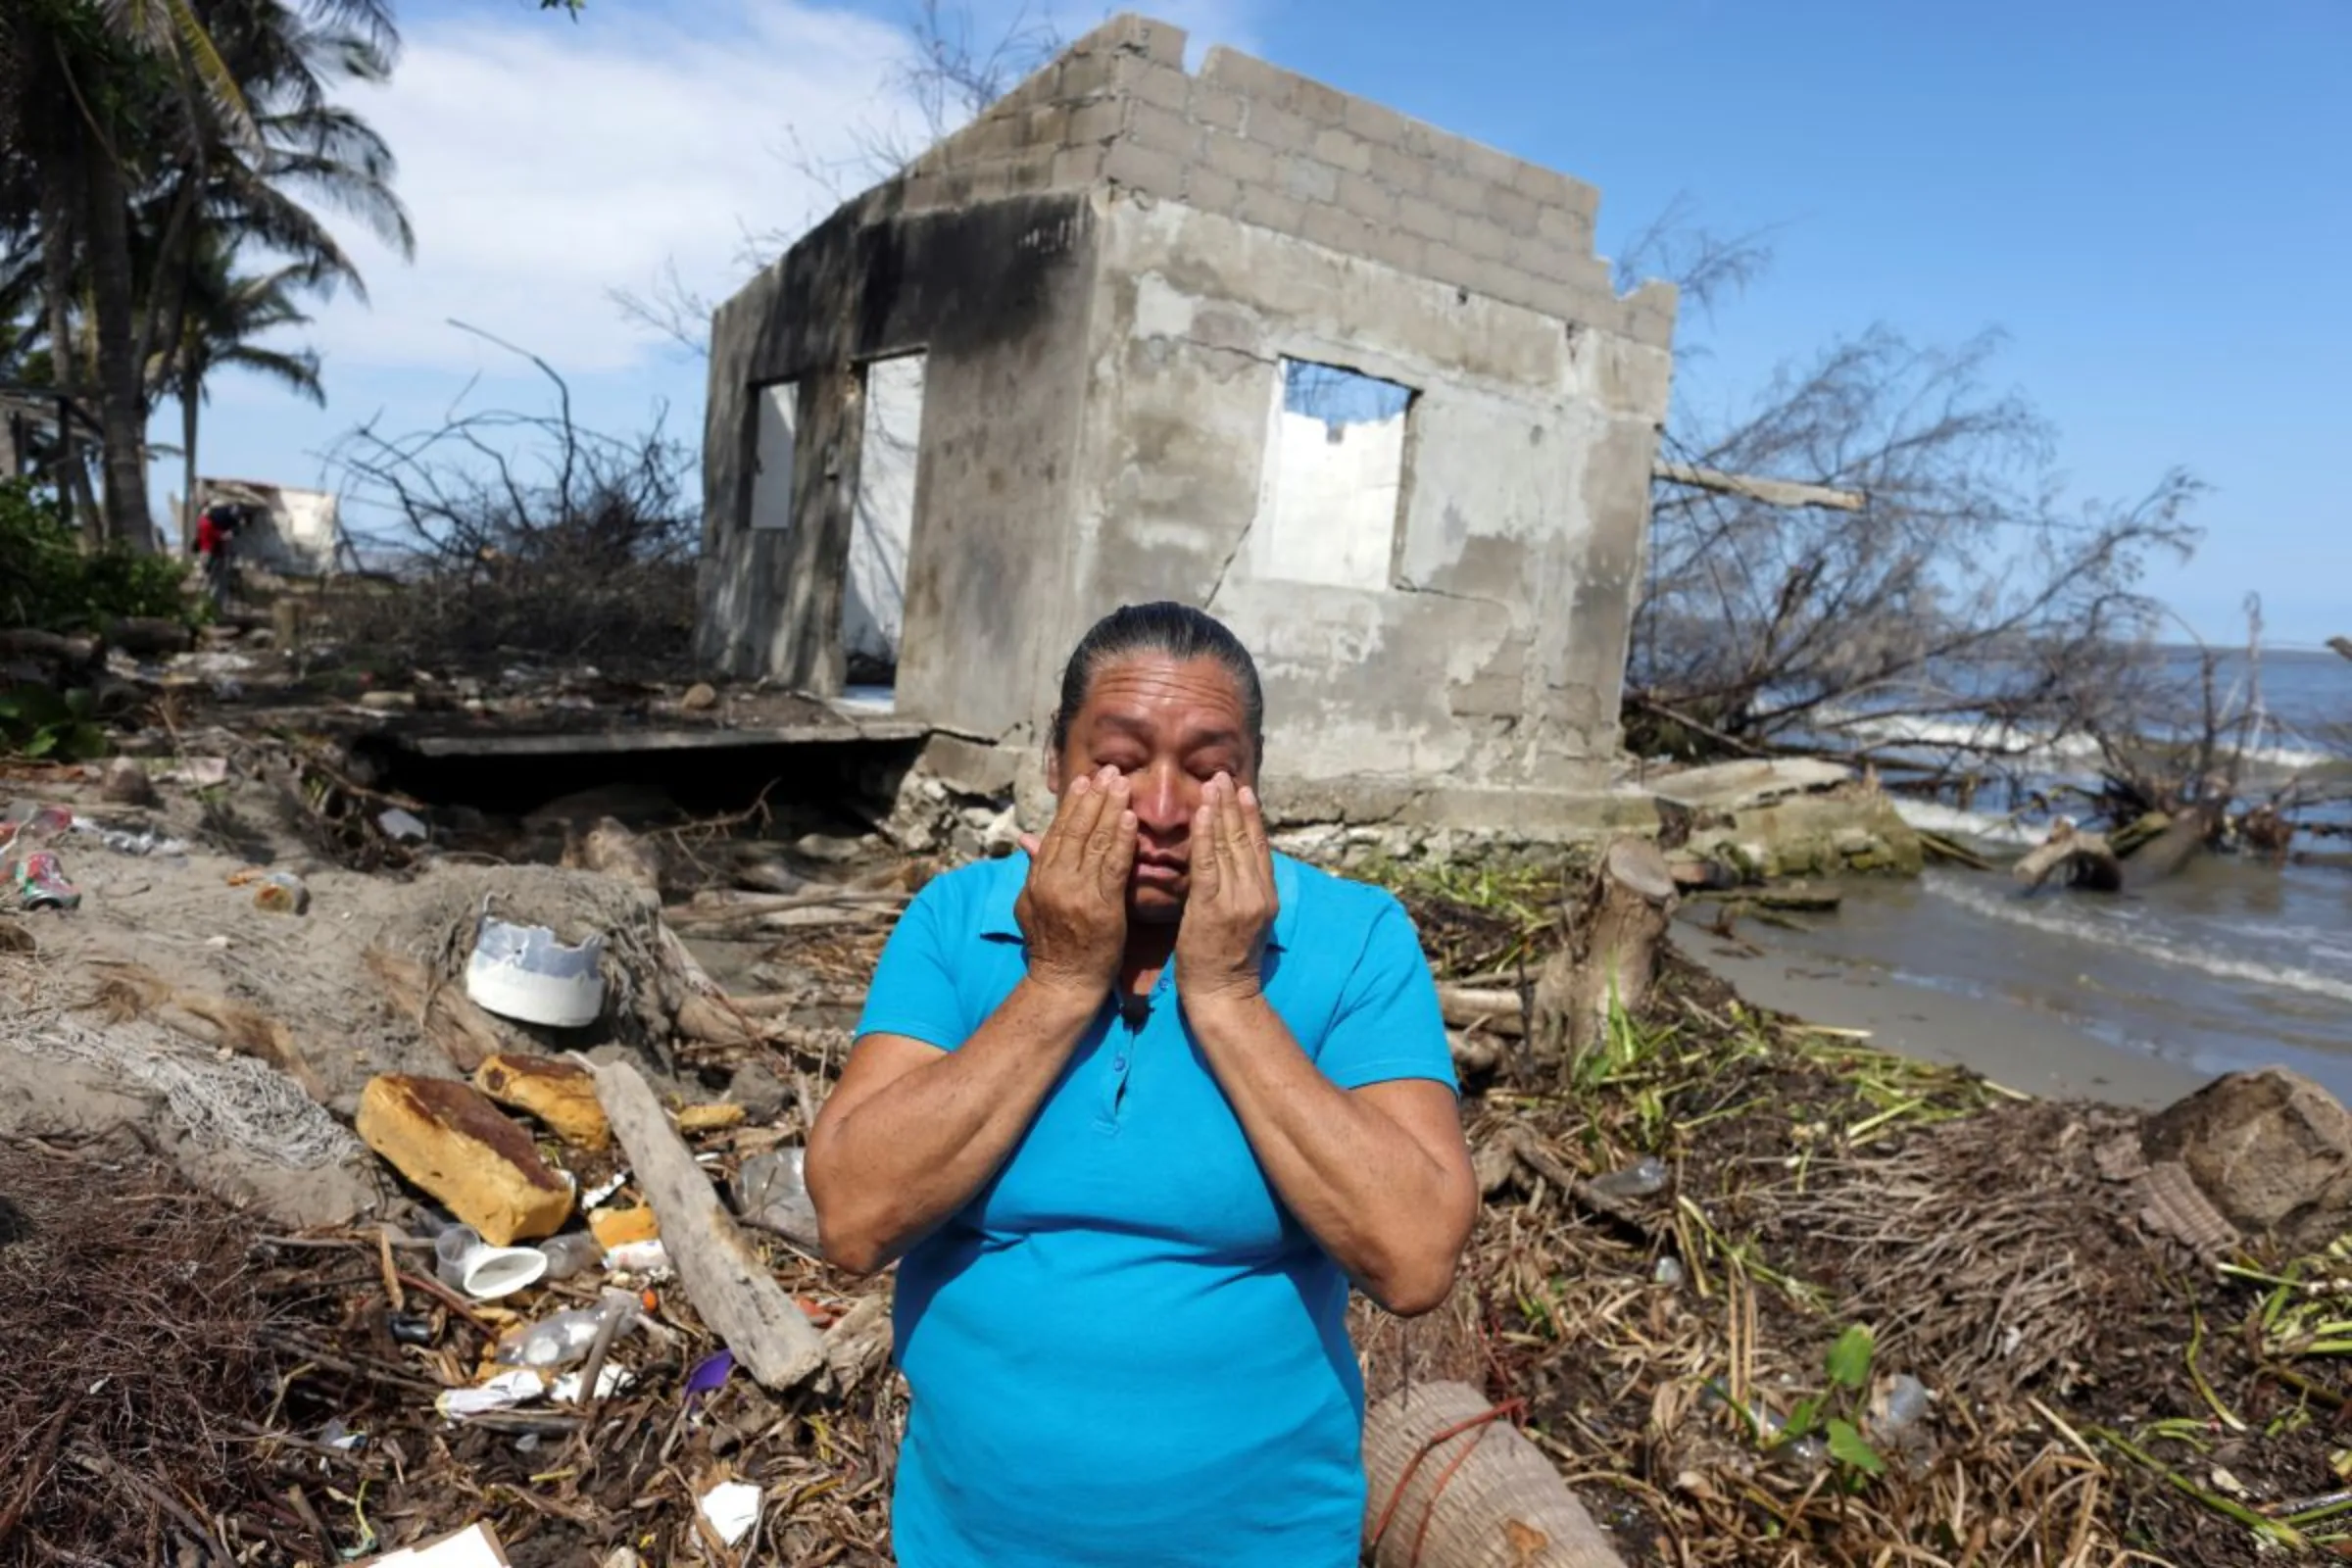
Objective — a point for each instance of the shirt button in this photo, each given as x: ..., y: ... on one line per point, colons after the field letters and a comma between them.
x: 1119, y: 1064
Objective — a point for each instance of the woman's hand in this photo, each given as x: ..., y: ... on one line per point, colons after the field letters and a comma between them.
x: 1221, y: 944
x: 1073, y: 911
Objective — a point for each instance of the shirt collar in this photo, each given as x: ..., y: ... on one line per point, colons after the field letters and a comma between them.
x: 996, y: 919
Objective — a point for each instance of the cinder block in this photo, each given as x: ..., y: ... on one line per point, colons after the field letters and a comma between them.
x: 1343, y: 151
x: 1339, y: 230
x: 1304, y: 179
x: 1325, y: 106
x: 1031, y: 169
x: 1152, y: 84
x: 1046, y: 126
x: 1375, y: 122
x: 1511, y: 210
x: 1096, y: 123
x: 1211, y: 191
x: 1249, y: 162
x: 922, y: 193
x: 1392, y: 246
x: 1486, y: 240
x: 1252, y: 79
x: 1144, y: 168
x: 1268, y: 208
x: 1425, y: 219
x: 1549, y: 187
x: 1450, y: 264
x: 1216, y: 108
x: 1565, y: 229
x: 1077, y: 166
x: 1165, y: 130
x: 1089, y: 77
x: 1401, y: 171
x: 1130, y: 34
x: 1488, y: 164
x: 991, y: 181
x: 1278, y: 128
x: 1367, y: 198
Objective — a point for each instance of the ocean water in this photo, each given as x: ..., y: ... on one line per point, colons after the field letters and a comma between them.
x: 2235, y: 962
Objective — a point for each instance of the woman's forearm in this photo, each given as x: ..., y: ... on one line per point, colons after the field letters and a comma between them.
x: 888, y: 1164
x: 1388, y: 1209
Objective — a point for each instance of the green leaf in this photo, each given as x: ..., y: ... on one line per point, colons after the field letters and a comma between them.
x: 1801, y: 1420
x: 1848, y: 1360
x: 1848, y: 1447
x: 41, y: 743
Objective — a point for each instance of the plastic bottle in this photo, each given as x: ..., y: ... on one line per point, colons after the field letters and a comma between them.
x: 281, y: 893
x: 568, y: 1256
x: 564, y: 1337
x: 1903, y: 1399
x: 1644, y: 1178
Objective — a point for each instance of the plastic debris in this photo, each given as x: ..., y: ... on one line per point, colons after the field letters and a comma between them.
x: 730, y: 1510
x: 564, y: 1337
x: 709, y: 1375
x: 772, y: 1192
x: 400, y: 827
x: 1669, y: 1271
x: 40, y: 882
x: 568, y: 1254
x: 466, y: 1262
x: 281, y: 893
x: 524, y: 1385
x: 523, y: 972
x: 474, y: 1546
x: 1644, y: 1178
x: 649, y: 1257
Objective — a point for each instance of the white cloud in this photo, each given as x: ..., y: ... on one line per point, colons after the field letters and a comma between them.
x: 546, y: 164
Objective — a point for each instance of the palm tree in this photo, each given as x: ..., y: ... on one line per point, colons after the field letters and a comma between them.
x: 218, y: 108
x: 221, y: 315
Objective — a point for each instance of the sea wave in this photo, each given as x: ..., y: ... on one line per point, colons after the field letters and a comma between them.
x: 2130, y: 937
x: 1933, y: 816
x: 2030, y: 747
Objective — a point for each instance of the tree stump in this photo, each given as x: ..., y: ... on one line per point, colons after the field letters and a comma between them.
x: 1616, y: 925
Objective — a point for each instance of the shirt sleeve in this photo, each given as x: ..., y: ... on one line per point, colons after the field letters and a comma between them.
x: 1388, y: 1025
x: 915, y: 992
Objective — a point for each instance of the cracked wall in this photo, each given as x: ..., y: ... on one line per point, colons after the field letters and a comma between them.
x: 1108, y: 271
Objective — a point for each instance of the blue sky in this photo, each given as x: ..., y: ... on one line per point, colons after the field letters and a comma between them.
x: 2152, y: 200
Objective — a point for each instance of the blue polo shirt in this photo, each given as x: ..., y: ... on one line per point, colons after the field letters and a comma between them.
x: 1124, y: 1350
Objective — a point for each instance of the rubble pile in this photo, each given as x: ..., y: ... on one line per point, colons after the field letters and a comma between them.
x: 514, y: 1257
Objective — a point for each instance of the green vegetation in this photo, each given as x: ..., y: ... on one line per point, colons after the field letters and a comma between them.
x: 53, y: 583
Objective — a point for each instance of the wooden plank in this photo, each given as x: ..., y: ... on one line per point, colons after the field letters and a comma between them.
x: 1754, y: 487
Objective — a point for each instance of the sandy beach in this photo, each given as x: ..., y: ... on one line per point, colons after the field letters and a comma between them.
x: 2016, y: 1046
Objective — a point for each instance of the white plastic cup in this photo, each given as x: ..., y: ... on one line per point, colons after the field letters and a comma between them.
x: 466, y: 1262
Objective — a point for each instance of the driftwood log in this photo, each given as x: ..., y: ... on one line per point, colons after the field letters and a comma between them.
x: 2343, y: 645
x: 724, y: 1276
x: 2086, y: 860
x: 1453, y: 1484
x: 1616, y: 927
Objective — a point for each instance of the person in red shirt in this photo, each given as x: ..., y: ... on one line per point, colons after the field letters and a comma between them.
x: 216, y: 532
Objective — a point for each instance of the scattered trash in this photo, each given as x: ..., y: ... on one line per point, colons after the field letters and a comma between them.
x: 400, y: 827
x: 639, y: 1257
x: 40, y: 882
x: 125, y: 783
x: 772, y: 1192
x: 566, y: 1337
x: 450, y: 1141
x: 474, y: 1546
x: 709, y: 1375
x: 281, y: 893
x: 410, y: 1328
x: 335, y: 1434
x: 198, y: 773
x: 121, y: 840
x: 1896, y: 1407
x: 523, y: 972
x: 524, y: 1385
x: 730, y: 1510
x: 1644, y: 1178
x: 1669, y: 1271
x: 709, y: 1118
x: 605, y: 1189
x: 618, y: 1227
x: 574, y: 1252
x: 466, y: 1262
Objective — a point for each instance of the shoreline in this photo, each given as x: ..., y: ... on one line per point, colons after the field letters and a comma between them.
x: 2012, y: 1045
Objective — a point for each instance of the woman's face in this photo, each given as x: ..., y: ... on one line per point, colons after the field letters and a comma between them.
x: 1170, y: 726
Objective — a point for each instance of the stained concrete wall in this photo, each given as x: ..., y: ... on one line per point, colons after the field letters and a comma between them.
x: 1482, y: 677
x: 1108, y: 269
x: 996, y: 299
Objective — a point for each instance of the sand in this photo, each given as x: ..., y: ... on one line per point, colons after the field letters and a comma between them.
x: 2013, y: 1045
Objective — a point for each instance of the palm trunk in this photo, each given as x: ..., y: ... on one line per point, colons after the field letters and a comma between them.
x: 57, y: 285
x: 121, y: 390
x: 187, y: 447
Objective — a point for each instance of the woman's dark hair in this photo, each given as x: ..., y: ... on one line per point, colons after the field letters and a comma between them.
x: 1168, y: 630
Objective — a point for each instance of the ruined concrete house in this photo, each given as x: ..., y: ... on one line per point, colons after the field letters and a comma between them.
x: 1357, y: 386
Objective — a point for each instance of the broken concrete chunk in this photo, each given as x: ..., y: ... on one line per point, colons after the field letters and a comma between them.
x: 452, y: 1142
x: 2272, y: 1150
x: 558, y: 1092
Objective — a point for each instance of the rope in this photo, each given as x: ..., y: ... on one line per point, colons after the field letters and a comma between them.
x: 1511, y: 1408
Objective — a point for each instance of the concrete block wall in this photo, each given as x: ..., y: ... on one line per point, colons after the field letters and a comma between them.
x: 1249, y: 140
